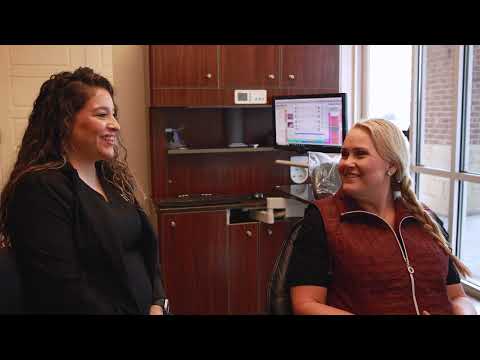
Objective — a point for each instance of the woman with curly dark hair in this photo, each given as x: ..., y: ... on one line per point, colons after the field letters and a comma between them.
x: 82, y: 241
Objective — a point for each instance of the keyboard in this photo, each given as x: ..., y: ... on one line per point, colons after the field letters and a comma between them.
x: 187, y: 200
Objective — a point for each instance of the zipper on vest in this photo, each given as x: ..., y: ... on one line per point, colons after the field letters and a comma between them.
x: 410, y: 268
x: 403, y: 251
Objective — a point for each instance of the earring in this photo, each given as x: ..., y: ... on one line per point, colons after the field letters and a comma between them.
x: 390, y: 172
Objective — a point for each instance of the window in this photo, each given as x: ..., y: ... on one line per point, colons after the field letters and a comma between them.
x: 388, y: 83
x: 446, y: 146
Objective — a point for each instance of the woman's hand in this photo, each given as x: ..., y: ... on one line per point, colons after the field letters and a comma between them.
x: 461, y: 305
x: 311, y: 300
x: 156, y: 310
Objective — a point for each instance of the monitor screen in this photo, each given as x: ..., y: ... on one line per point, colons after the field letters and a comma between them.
x: 310, y: 122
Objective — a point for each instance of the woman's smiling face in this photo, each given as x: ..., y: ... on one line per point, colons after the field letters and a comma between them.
x: 362, y: 170
x: 95, y: 128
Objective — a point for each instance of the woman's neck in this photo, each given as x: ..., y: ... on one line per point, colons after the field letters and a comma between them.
x: 86, y: 170
x: 382, y: 205
x: 88, y: 173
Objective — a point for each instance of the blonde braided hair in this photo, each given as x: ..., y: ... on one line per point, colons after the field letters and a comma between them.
x: 392, y: 146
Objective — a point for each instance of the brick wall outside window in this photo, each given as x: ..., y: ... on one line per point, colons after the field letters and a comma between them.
x: 439, y: 104
x: 440, y: 94
x: 475, y: 102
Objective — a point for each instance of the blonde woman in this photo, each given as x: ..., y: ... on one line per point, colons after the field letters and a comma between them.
x: 83, y: 243
x: 372, y: 248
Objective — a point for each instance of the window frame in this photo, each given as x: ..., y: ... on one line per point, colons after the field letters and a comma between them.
x: 457, y: 175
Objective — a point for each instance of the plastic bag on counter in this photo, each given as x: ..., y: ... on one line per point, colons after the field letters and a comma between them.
x: 324, y: 176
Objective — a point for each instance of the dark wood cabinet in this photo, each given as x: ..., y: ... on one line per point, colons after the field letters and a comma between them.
x: 209, y: 267
x: 194, y: 261
x: 182, y: 75
x: 249, y: 66
x: 243, y: 264
x: 206, y: 75
x: 271, y: 238
x: 184, y: 66
x: 310, y: 67
x: 252, y: 251
x: 211, y: 172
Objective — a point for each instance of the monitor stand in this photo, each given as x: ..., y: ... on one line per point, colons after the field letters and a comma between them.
x: 234, y: 127
x: 237, y: 145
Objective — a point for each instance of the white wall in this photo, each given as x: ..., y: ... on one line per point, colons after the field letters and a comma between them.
x: 350, y: 80
x: 130, y: 67
x: 4, y: 97
x: 22, y: 71
x: 24, y: 68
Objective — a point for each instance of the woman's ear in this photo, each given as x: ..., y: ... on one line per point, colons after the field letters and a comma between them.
x: 391, y: 170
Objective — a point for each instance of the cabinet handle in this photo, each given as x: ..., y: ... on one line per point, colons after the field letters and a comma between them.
x: 271, y: 76
x: 172, y: 224
x: 269, y: 232
x: 208, y: 76
x: 249, y: 233
x: 291, y: 77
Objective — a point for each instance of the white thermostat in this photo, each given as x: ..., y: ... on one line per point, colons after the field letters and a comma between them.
x: 250, y: 96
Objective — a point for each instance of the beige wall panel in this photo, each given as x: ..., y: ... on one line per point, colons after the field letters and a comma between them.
x: 25, y: 90
x: 40, y: 55
x: 130, y: 73
x: 106, y: 62
x: 42, y: 72
x: 107, y: 56
x: 78, y: 56
x: 20, y: 112
x: 94, y: 57
x: 22, y: 71
x: 4, y: 102
x: 19, y: 128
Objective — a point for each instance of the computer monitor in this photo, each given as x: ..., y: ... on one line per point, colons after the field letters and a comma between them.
x: 310, y: 122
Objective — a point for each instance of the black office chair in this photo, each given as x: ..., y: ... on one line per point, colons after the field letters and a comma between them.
x: 11, y: 300
x: 278, y: 293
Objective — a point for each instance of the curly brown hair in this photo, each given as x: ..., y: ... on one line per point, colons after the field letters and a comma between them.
x: 49, y: 127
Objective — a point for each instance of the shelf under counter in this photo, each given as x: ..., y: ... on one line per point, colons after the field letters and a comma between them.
x: 250, y: 204
x: 219, y: 150
x: 301, y: 192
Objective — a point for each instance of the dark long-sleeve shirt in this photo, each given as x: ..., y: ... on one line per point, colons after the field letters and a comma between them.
x: 78, y: 253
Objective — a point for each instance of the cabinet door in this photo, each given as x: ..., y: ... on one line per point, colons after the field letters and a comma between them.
x: 184, y: 66
x: 183, y: 75
x: 193, y: 255
x: 243, y: 268
x: 249, y: 66
x: 310, y: 67
x: 270, y: 242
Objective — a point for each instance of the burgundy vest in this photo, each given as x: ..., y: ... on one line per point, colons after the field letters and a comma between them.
x: 370, y: 275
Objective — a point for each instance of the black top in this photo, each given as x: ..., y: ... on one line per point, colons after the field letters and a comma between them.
x: 10, y: 285
x: 77, y: 252
x: 309, y: 263
x: 126, y: 226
